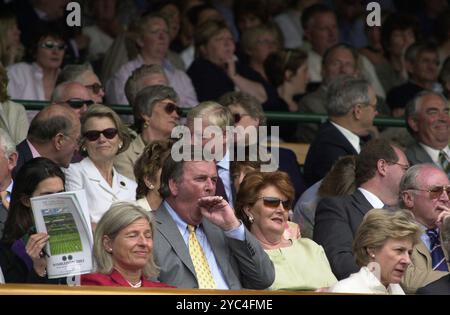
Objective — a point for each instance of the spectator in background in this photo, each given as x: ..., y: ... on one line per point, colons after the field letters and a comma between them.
x: 382, y: 247
x: 73, y: 95
x: 398, y: 32
x: 338, y: 60
x: 84, y: 75
x: 351, y: 107
x: 123, y: 249
x: 422, y: 64
x: 153, y: 42
x: 8, y: 160
x: 11, y: 49
x: 54, y: 133
x: 13, y: 117
x: 215, y: 70
x: 428, y: 122
x: 36, y: 79
x: 156, y: 113
x: 287, y: 70
x: 147, y: 171
x: 263, y: 203
x: 444, y: 77
x: 20, y: 243
x: 103, y: 136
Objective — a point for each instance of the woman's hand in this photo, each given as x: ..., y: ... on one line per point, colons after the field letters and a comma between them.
x: 34, y: 249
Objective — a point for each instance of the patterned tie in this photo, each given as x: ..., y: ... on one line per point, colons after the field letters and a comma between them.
x: 437, y: 255
x: 204, y: 276
x: 443, y: 160
x: 4, y: 197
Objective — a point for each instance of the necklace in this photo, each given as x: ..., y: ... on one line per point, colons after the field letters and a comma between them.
x: 137, y: 285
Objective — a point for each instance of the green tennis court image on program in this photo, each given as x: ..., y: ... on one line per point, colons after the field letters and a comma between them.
x: 63, y: 232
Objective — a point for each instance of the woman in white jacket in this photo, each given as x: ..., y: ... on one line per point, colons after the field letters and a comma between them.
x: 103, y: 137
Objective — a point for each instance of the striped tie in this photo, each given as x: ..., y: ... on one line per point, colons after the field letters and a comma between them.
x: 443, y: 160
x: 437, y: 255
x: 204, y: 276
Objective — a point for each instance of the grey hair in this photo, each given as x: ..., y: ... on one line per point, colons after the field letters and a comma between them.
x: 417, y: 48
x: 344, y: 93
x: 413, y: 107
x: 146, y: 100
x: 248, y: 102
x: 73, y: 73
x: 58, y: 92
x: 409, y: 179
x: 6, y: 143
x: 132, y: 86
x: 119, y: 216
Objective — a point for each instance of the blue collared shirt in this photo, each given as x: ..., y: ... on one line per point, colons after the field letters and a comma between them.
x: 223, y: 170
x: 238, y: 233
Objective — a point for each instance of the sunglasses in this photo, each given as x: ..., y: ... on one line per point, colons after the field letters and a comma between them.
x: 273, y: 202
x: 96, y: 87
x: 53, y: 45
x: 237, y: 117
x: 436, y: 191
x: 93, y: 135
x: 78, y: 102
x: 171, y: 107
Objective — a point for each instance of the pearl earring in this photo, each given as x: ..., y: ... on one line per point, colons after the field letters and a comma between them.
x: 120, y: 146
x: 151, y: 187
x: 251, y: 218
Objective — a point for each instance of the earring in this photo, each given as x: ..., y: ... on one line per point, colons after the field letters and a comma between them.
x: 83, y: 149
x: 251, y: 218
x: 120, y: 146
x: 151, y: 187
x: 373, y: 255
x: 146, y: 125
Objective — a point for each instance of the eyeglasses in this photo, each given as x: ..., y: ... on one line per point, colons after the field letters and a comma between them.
x: 273, y: 202
x: 53, y: 45
x: 403, y: 166
x: 96, y: 87
x: 237, y: 117
x: 78, y: 102
x: 93, y: 135
x: 435, y: 191
x: 171, y: 107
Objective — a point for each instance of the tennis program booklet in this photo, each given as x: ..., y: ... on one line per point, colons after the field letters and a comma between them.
x: 65, y: 218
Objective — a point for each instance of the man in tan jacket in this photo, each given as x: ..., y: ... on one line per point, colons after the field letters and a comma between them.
x: 425, y: 190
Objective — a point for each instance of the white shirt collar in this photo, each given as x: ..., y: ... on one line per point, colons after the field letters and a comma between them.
x: 433, y: 153
x: 372, y: 199
x: 350, y: 136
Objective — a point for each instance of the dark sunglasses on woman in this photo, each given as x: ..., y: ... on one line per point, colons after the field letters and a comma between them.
x: 53, y: 45
x: 171, y: 107
x: 273, y: 202
x: 93, y: 135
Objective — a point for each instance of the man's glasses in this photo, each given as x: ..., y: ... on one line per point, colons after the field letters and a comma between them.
x: 403, y: 166
x: 237, y: 117
x: 435, y: 191
x: 273, y: 202
x: 93, y: 135
x: 96, y: 87
x: 171, y: 107
x: 53, y: 45
x: 78, y: 102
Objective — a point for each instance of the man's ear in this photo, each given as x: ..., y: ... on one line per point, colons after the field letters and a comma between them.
x: 357, y: 111
x: 412, y: 123
x: 25, y: 201
x: 382, y: 167
x: 173, y: 187
x: 12, y: 160
x: 288, y: 74
x: 408, y: 199
x: 58, y: 141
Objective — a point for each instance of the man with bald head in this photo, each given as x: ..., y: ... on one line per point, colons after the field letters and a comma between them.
x: 428, y: 121
x: 74, y: 95
x: 54, y: 133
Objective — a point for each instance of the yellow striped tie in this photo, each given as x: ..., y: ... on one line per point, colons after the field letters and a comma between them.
x: 204, y: 277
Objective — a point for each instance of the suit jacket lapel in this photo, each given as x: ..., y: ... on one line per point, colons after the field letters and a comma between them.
x: 341, y: 140
x: 94, y: 175
x: 169, y: 230
x: 361, y: 203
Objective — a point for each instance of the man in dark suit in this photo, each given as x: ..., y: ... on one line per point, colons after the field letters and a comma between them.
x: 351, y: 107
x: 54, y: 133
x: 379, y: 168
x: 235, y: 259
x: 428, y: 121
x: 424, y: 192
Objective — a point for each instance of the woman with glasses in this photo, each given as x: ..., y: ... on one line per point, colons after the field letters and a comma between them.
x: 36, y: 79
x: 156, y: 113
x: 263, y: 203
x: 103, y: 136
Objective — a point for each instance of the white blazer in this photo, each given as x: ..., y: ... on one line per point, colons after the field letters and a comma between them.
x: 100, y: 196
